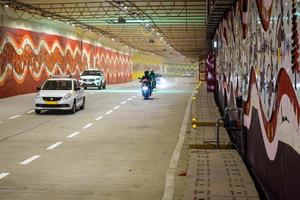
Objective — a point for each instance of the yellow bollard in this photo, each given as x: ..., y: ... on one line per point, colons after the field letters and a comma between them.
x: 194, y: 126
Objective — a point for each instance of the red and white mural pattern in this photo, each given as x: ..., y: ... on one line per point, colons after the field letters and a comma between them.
x: 257, y: 58
x: 27, y: 58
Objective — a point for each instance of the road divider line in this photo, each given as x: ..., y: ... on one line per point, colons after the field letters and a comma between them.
x: 133, y: 97
x: 124, y: 102
x: 129, y: 99
x: 87, y: 126
x: 14, y: 117
x: 108, y: 112
x: 25, y: 162
x: 98, y: 118
x: 3, y: 174
x: 31, y: 111
x: 53, y: 146
x: 73, y: 134
x: 116, y: 107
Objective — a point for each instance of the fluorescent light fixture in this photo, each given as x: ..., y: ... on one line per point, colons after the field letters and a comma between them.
x: 6, y: 5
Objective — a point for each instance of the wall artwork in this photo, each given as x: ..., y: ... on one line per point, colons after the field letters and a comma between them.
x: 257, y: 58
x: 27, y: 58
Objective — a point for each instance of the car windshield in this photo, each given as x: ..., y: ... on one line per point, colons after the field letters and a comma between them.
x: 91, y: 73
x: 57, y: 85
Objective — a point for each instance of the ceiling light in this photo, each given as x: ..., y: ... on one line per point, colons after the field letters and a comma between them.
x: 73, y: 25
x: 6, y: 5
x: 113, y: 39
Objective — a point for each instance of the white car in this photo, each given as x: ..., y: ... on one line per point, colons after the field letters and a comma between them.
x: 92, y: 78
x: 60, y: 93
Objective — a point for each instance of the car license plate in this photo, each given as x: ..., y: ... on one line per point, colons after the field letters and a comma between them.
x: 51, y: 102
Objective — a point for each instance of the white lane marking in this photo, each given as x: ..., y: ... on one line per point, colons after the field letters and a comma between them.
x: 124, y: 102
x: 25, y: 162
x: 116, y: 107
x: 129, y: 99
x: 13, y: 117
x: 170, y: 176
x: 73, y: 134
x: 98, y: 118
x: 108, y: 112
x: 133, y: 97
x: 3, y: 174
x: 87, y: 126
x: 53, y: 146
x: 29, y: 112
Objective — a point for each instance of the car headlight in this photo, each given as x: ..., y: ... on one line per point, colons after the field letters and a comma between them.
x: 98, y: 79
x: 38, y: 97
x: 67, y: 96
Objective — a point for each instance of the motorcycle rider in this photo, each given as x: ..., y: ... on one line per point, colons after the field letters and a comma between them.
x: 153, y: 79
x: 146, y: 76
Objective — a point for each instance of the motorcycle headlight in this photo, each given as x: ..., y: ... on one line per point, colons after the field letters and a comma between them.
x: 144, y: 88
x: 38, y: 97
x: 67, y: 96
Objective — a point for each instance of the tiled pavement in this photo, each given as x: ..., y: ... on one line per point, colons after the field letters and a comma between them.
x: 214, y: 174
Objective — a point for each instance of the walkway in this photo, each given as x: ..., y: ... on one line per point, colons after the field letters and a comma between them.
x: 214, y: 174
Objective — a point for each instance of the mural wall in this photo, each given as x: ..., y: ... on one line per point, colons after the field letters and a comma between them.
x: 27, y: 58
x: 257, y: 58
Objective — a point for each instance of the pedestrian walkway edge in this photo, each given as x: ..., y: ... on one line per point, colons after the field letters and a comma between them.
x: 170, y: 176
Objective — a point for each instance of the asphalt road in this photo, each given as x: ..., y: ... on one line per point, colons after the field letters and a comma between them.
x: 118, y: 148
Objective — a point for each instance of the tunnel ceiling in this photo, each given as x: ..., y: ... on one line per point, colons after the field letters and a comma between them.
x: 167, y: 28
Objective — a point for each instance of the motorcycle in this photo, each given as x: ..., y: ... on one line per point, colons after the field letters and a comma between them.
x: 146, y: 88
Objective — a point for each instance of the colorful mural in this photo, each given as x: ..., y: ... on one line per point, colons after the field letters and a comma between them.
x: 257, y: 58
x: 27, y: 58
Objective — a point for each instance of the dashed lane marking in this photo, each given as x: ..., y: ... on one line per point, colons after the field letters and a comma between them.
x: 73, y: 134
x: 129, y: 99
x: 98, y: 118
x: 87, y: 126
x: 14, y: 117
x: 108, y: 112
x: 3, y: 174
x: 31, y: 111
x: 124, y: 102
x: 25, y: 162
x: 116, y: 107
x: 53, y: 146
